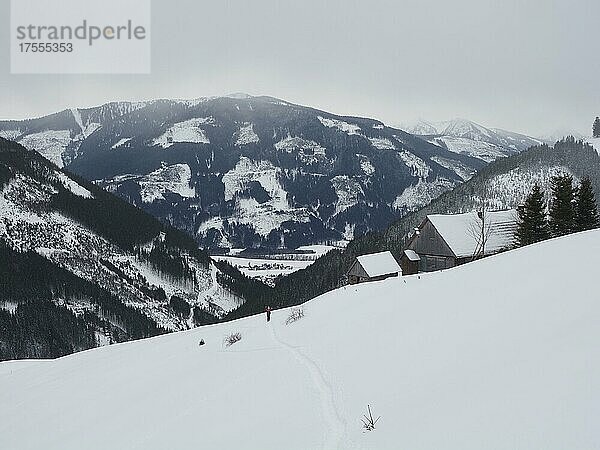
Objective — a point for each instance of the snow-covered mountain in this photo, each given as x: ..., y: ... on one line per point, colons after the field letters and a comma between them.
x: 494, y: 354
x: 242, y: 171
x: 559, y: 134
x: 93, y: 267
x: 469, y: 138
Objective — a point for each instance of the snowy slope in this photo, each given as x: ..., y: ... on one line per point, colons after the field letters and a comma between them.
x: 458, y: 359
x: 54, y: 223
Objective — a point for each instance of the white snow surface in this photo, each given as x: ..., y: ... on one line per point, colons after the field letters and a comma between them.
x: 458, y: 167
x: 307, y: 150
x: 120, y: 143
x: 511, y: 362
x: 263, y: 172
x: 26, y: 226
x: 463, y: 232
x: 10, y: 134
x: 382, y: 143
x: 478, y: 149
x: 365, y: 164
x: 377, y: 264
x: 175, y: 178
x: 420, y: 194
x: 412, y: 255
x: 510, y: 189
x: 469, y: 138
x: 246, y: 135
x: 267, y: 269
x: 189, y: 131
x: 263, y: 217
x: 419, y: 168
x: 348, y: 191
x: 72, y: 186
x: 345, y: 127
x: 51, y: 144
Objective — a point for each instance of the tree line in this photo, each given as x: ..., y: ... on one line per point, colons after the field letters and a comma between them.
x: 572, y: 208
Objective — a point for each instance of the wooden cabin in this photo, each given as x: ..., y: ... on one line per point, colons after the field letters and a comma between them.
x: 447, y: 240
x: 373, y: 267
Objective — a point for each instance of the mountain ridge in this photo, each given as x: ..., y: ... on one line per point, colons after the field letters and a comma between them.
x: 192, y: 163
x: 101, y: 267
x: 468, y: 137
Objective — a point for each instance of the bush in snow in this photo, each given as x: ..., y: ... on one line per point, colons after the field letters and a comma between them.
x: 232, y: 339
x: 367, y: 420
x: 296, y: 314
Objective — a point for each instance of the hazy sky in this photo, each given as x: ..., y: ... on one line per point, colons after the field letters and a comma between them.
x: 527, y: 65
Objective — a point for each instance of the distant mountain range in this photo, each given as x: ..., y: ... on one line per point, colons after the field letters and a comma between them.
x: 80, y: 267
x: 242, y: 171
x: 469, y: 138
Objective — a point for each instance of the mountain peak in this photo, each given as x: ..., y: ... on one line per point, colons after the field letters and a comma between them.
x: 239, y: 96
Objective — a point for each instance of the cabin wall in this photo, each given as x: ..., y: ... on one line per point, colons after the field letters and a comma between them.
x: 432, y: 249
x: 431, y: 263
x: 429, y: 242
x: 384, y: 277
x: 357, y: 274
x: 409, y: 267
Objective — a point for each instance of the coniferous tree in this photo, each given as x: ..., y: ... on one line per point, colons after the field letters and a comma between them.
x: 586, y: 210
x: 596, y: 128
x: 532, y: 222
x: 562, y: 207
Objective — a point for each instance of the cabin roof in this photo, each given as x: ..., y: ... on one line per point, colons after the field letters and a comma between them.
x: 412, y: 255
x: 462, y: 232
x: 377, y: 264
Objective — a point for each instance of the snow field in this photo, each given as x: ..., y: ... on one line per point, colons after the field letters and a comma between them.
x: 458, y: 359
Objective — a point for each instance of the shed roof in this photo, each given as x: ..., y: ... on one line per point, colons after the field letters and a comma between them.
x: 462, y: 232
x: 412, y: 255
x: 377, y: 264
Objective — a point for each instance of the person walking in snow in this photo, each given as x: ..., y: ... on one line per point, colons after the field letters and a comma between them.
x: 268, y: 310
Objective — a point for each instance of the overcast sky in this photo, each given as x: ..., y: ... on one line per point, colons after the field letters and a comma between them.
x: 529, y: 65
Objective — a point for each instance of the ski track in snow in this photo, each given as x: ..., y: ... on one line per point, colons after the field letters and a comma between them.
x: 336, y: 426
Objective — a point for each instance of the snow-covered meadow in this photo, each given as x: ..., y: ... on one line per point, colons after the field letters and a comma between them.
x: 497, y: 354
x: 269, y: 269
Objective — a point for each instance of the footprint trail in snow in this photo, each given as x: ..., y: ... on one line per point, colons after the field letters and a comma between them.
x: 335, y: 424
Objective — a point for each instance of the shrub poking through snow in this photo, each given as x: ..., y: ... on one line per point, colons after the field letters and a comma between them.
x: 232, y: 339
x: 367, y: 420
x: 295, y: 315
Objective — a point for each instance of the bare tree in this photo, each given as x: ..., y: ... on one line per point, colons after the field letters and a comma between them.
x: 481, y: 227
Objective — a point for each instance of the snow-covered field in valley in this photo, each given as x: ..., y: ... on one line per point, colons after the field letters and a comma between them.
x: 268, y: 269
x: 497, y: 354
x: 265, y: 269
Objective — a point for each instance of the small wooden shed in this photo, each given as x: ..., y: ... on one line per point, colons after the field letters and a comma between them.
x: 373, y: 267
x: 409, y: 262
